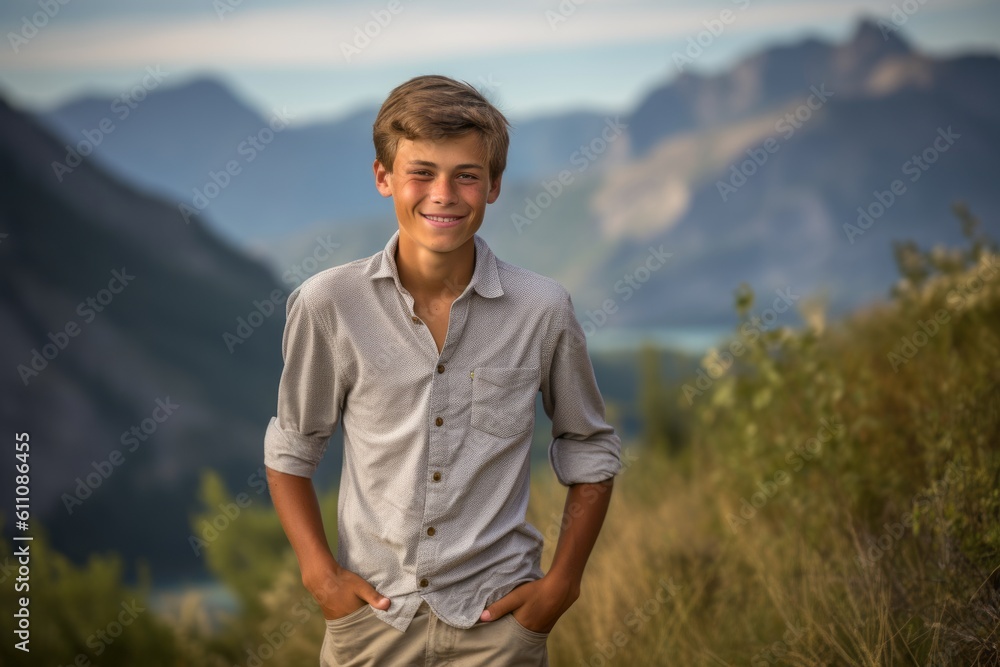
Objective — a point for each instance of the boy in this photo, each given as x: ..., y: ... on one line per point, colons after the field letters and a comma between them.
x: 431, y: 353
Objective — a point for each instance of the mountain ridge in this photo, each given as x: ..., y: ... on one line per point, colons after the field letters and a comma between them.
x: 682, y: 139
x: 114, y: 308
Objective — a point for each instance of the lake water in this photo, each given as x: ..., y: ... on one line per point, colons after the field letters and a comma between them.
x: 693, y: 340
x: 214, y: 599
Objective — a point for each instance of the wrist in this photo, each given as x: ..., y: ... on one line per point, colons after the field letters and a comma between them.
x: 566, y: 583
x: 316, y: 563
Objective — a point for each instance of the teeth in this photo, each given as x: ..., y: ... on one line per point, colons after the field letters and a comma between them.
x: 437, y: 218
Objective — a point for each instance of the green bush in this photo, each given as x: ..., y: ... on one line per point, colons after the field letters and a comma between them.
x: 831, y: 497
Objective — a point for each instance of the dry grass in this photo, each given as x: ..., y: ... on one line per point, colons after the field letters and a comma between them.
x: 881, y: 550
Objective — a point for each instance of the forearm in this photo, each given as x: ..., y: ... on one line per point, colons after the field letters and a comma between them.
x: 583, y: 515
x: 298, y: 510
x: 338, y: 590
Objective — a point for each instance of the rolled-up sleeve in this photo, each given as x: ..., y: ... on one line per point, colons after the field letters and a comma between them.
x: 310, y: 392
x: 584, y: 447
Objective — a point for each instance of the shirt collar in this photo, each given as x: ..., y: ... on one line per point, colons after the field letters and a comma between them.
x: 485, y: 275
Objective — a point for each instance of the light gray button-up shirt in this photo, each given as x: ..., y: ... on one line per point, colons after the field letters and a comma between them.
x: 434, y: 488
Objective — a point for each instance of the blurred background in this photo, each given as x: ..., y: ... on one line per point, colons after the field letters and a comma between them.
x: 776, y: 219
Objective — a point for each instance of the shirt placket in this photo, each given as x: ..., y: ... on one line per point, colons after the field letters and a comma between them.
x: 437, y: 478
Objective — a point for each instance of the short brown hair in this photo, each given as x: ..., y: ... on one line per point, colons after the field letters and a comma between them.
x: 435, y: 107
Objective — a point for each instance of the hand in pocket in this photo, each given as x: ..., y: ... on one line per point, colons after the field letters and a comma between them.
x: 340, y: 592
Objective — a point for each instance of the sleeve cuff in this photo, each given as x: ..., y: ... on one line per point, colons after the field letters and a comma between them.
x: 291, y: 452
x: 585, y: 461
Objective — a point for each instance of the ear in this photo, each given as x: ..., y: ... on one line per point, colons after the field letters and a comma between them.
x: 383, y: 179
x: 494, y: 192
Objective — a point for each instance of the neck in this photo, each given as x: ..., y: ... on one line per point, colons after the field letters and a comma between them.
x: 428, y: 274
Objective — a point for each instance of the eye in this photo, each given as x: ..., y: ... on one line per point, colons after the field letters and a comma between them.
x: 468, y: 177
x: 420, y: 172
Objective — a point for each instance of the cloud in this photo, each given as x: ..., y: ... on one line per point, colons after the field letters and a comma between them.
x: 313, y: 36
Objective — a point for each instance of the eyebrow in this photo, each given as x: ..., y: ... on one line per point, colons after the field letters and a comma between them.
x: 425, y: 163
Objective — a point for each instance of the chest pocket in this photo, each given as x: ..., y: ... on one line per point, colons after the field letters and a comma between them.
x: 503, y: 399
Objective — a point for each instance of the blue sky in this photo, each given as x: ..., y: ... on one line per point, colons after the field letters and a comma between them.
x: 534, y: 56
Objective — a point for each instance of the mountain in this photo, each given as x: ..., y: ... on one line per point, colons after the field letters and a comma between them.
x: 114, y: 311
x: 663, y: 175
x: 765, y: 188
x: 141, y: 350
x: 173, y: 140
x: 764, y: 81
x: 120, y: 308
x: 178, y: 141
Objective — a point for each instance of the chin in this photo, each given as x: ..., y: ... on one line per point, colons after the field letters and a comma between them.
x: 447, y: 245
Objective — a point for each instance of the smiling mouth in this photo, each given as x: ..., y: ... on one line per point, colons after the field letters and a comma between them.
x: 444, y: 221
x: 442, y: 218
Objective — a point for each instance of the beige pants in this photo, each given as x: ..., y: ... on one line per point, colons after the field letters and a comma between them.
x: 362, y: 639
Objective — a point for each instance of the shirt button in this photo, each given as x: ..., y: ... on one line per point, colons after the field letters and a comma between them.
x: 440, y: 368
x: 416, y: 320
x: 438, y: 421
x: 436, y: 477
x: 430, y: 531
x: 423, y: 583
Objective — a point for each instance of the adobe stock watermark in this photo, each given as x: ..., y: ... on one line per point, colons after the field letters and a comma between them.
x: 7, y: 569
x: 223, y: 7
x: 88, y: 310
x: 758, y: 156
x: 749, y: 332
x: 102, y: 638
x: 32, y: 25
x: 121, y: 108
x: 322, y: 252
x: 899, y: 17
x: 229, y: 512
x: 894, y: 531
x: 559, y: 522
x: 246, y: 326
x: 131, y: 441
x: 910, y: 345
x: 796, y: 458
x: 273, y: 640
x: 776, y: 652
x: 915, y: 167
x: 364, y: 34
x: 488, y: 83
x: 630, y: 283
x: 248, y: 149
x: 698, y: 44
x: 562, y: 13
x: 581, y: 158
x: 266, y: 307
x: 638, y: 618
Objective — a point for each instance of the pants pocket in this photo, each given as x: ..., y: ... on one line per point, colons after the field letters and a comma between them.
x: 346, y: 620
x: 348, y: 640
x: 530, y: 635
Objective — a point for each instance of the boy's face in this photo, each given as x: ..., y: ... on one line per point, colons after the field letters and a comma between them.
x: 440, y: 189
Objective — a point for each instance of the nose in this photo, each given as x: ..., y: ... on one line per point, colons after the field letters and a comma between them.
x: 443, y: 192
